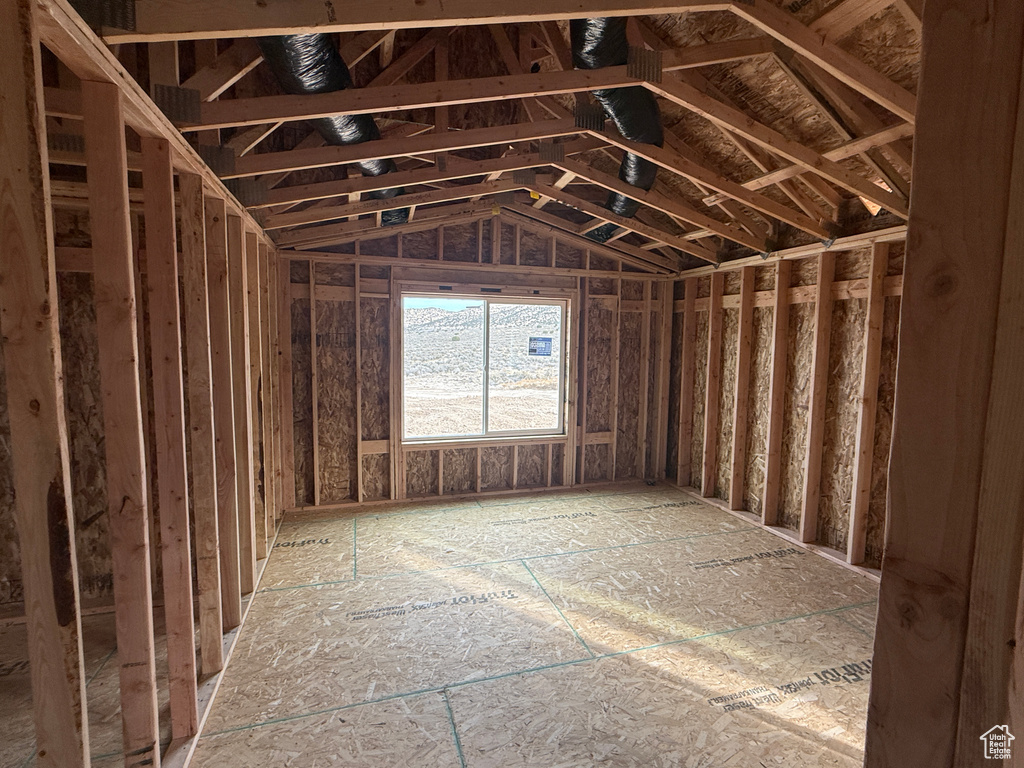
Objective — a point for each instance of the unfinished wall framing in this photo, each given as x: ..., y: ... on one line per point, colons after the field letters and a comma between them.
x: 616, y: 364
x: 805, y: 367
x: 155, y: 416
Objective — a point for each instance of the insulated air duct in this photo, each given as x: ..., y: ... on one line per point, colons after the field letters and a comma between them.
x: 305, y: 64
x: 602, y: 43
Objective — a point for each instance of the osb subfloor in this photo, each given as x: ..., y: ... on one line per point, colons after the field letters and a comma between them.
x: 625, y: 627
x: 103, y: 693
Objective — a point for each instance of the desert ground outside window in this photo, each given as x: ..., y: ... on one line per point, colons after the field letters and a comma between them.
x: 476, y: 366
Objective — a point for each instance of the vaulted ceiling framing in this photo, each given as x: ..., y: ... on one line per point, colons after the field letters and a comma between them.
x: 738, y: 176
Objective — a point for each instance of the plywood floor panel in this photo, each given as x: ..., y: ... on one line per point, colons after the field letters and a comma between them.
x: 411, y: 732
x: 103, y: 693
x: 617, y: 626
x: 313, y: 552
x: 329, y: 646
x: 627, y: 598
x: 495, y: 533
x: 745, y: 698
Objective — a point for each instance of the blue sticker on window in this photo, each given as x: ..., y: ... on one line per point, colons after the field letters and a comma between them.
x: 540, y: 345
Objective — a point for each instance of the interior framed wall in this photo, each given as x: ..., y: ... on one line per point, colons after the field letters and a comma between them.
x: 617, y: 374
x: 783, y: 384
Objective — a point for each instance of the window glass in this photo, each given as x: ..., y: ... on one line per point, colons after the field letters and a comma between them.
x: 524, y: 368
x: 475, y: 367
x: 442, y: 366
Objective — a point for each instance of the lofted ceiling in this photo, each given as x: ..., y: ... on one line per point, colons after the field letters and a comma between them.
x: 785, y: 123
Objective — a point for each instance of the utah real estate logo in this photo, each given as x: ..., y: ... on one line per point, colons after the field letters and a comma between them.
x: 997, y: 742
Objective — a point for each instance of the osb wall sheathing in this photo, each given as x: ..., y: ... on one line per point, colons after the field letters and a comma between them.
x: 459, y: 470
x: 375, y: 352
x: 653, y: 401
x: 674, y: 373
x: 557, y: 464
x: 600, y: 325
x: 568, y: 257
x: 757, y: 408
x: 82, y: 398
x: 421, y: 473
x: 630, y: 375
x: 799, y: 355
x: 597, y: 463
x: 507, y: 244
x: 883, y: 432
x: 842, y: 404
x: 842, y: 400
x: 700, y: 387
x: 532, y: 466
x: 336, y: 438
x: 534, y: 250
x: 727, y: 400
x: 302, y: 401
x: 420, y: 245
x: 376, y: 476
x: 496, y: 468
x: 460, y: 242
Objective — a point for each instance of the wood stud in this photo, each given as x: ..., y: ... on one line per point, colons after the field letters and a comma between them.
x: 116, y: 323
x: 808, y: 527
x: 35, y: 401
x: 169, y: 411
x: 776, y: 394
x: 714, y: 377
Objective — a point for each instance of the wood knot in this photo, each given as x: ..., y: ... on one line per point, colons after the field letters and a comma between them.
x: 45, y: 308
x: 908, y: 614
x: 34, y: 406
x: 942, y: 284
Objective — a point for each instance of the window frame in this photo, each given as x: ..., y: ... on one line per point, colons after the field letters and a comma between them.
x: 563, y: 301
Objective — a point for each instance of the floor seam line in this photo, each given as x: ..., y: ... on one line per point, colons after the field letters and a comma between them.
x: 555, y: 606
x: 455, y: 731
x: 532, y: 670
x: 512, y: 560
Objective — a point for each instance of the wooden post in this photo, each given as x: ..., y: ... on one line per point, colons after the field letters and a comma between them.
x: 114, y: 281
x: 397, y: 457
x: 573, y: 377
x: 686, y: 375
x: 947, y: 664
x: 645, y: 364
x: 713, y: 383
x: 864, y: 447
x: 616, y: 336
x: 169, y: 413
x: 252, y: 279
x: 776, y: 394
x: 266, y: 392
x: 660, y: 455
x: 223, y: 410
x: 808, y: 530
x: 359, y: 381
x: 242, y: 403
x: 35, y: 402
x: 200, y: 402
x: 739, y: 419
x: 277, y: 409
x: 284, y: 334
x: 581, y: 468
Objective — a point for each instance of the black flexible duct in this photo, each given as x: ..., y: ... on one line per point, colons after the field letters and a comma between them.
x: 602, y: 43
x: 311, y: 64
